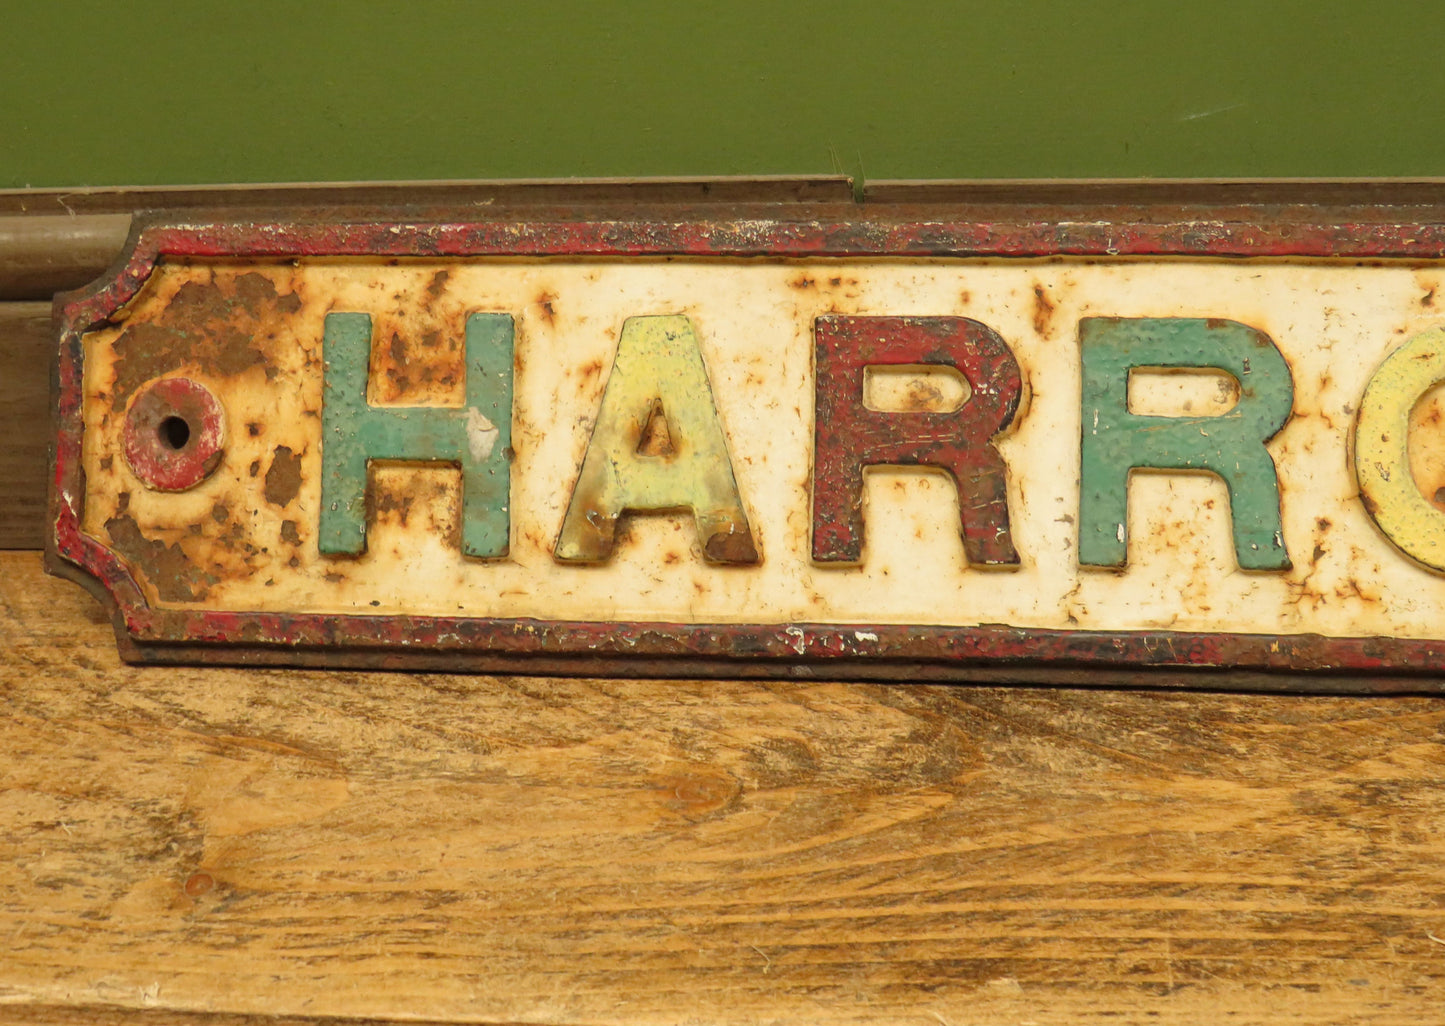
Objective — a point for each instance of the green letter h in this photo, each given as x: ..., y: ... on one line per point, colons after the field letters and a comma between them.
x: 476, y: 437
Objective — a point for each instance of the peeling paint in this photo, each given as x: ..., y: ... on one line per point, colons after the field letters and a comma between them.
x: 482, y: 435
x: 283, y: 479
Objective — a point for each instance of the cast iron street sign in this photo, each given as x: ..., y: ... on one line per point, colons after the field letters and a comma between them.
x: 929, y: 449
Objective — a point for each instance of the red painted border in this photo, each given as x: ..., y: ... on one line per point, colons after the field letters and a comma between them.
x: 684, y: 649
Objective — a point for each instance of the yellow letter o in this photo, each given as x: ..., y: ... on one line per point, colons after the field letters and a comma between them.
x: 1382, y: 460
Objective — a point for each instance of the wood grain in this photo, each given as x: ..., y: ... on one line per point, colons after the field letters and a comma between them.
x: 500, y: 850
x: 25, y: 425
x: 41, y: 255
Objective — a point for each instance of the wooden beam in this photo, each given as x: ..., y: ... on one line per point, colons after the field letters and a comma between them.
x: 44, y: 254
x: 101, y: 1015
x: 496, y: 850
x: 455, y: 194
x: 25, y: 427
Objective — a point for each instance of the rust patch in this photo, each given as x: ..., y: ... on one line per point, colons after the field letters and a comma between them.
x: 289, y: 534
x: 1043, y: 310
x: 167, y: 568
x: 208, y: 324
x: 438, y: 284
x: 421, y: 498
x: 731, y: 546
x: 921, y: 388
x: 923, y: 397
x: 256, y: 290
x: 590, y: 370
x: 656, y: 439
x: 283, y: 479
x: 544, y: 302
x: 417, y: 365
x: 388, y: 502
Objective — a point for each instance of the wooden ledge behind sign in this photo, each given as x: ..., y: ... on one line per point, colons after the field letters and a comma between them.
x: 514, y: 850
x: 233, y: 847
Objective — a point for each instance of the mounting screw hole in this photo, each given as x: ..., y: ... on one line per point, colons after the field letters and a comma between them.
x: 174, y: 432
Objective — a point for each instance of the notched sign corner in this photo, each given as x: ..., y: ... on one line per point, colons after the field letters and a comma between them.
x: 69, y: 553
x: 372, y: 444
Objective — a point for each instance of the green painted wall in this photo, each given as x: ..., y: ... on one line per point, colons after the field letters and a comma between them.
x: 196, y: 92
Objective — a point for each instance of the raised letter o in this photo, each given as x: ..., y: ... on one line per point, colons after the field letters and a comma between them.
x: 1382, y: 461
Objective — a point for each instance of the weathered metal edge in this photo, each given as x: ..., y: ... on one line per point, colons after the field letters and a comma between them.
x: 864, y: 651
x: 463, y: 193
x: 56, y: 239
x: 457, y: 193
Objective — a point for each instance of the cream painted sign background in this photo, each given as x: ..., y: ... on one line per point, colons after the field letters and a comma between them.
x: 1334, y: 322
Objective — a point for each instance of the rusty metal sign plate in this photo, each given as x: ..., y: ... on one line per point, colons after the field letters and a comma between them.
x: 1155, y: 453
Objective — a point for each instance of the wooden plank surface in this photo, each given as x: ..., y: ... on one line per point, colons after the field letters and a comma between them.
x: 41, y: 255
x: 26, y: 348
x: 513, y: 850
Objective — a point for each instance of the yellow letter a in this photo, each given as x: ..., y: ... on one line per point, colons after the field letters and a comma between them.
x: 630, y: 466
